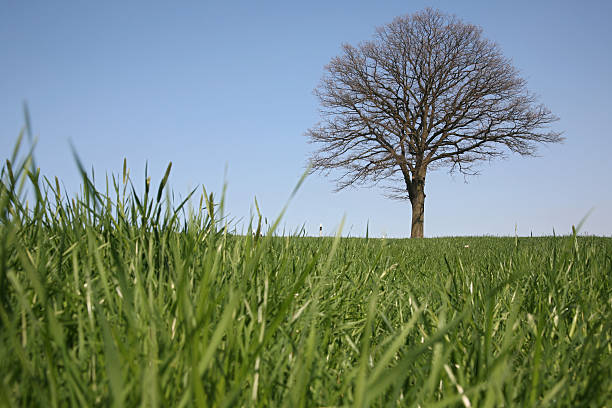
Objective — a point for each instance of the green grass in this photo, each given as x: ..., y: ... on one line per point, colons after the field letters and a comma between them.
x: 111, y: 298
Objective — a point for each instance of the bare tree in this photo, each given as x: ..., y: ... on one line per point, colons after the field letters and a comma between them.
x: 428, y: 91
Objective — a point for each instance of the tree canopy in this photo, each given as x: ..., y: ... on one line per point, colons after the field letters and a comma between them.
x: 428, y: 91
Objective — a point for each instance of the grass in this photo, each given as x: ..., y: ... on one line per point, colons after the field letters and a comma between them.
x: 111, y: 298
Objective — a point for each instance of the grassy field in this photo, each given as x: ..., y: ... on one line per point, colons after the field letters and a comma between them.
x: 117, y: 299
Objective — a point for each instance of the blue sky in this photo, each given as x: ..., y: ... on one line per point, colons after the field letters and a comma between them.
x: 216, y: 85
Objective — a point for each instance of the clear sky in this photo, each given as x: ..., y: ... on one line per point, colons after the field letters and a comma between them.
x: 216, y: 84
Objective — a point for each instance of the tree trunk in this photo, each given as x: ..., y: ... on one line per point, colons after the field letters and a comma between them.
x: 417, y: 199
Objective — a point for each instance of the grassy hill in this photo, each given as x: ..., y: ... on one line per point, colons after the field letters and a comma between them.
x: 110, y: 298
